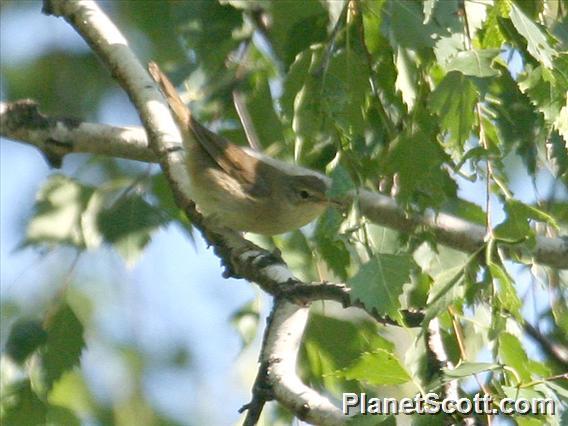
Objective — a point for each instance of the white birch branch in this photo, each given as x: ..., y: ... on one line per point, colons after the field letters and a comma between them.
x: 245, y: 258
x: 22, y: 122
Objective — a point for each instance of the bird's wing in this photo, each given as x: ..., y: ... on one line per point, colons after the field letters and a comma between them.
x: 228, y: 156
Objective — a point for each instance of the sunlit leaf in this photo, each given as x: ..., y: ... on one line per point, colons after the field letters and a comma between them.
x: 378, y: 283
x: 475, y: 63
x: 506, y: 291
x: 513, y: 355
x: 466, y: 369
x: 57, y: 212
x: 454, y: 100
x: 515, y: 227
x: 448, y: 288
x: 331, y: 344
x: 71, y: 391
x: 538, y: 45
x: 379, y: 367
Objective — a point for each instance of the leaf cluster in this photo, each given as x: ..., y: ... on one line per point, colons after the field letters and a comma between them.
x: 421, y: 100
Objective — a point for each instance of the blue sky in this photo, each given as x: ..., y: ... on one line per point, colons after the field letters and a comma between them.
x: 173, y: 298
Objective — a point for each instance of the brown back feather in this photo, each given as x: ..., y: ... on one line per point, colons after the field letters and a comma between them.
x: 228, y: 156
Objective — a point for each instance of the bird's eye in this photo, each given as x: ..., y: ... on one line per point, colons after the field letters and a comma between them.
x: 304, y: 195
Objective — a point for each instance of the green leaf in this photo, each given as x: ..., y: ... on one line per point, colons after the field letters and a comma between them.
x: 515, y: 226
x: 515, y: 116
x: 466, y: 369
x: 296, y: 26
x: 71, y: 392
x: 260, y: 105
x: 156, y: 21
x: 407, y: 25
x: 21, y: 406
x: 418, y: 160
x: 372, y: 19
x: 298, y: 254
x: 210, y: 30
x: 294, y: 80
x: 308, y: 110
x: 331, y: 246
x: 558, y: 154
x: 335, y: 254
x: 545, y: 89
x: 515, y: 392
x: 449, y: 286
x: 475, y: 63
x: 64, y: 344
x: 428, y: 420
x: 491, y: 35
x: 341, y: 183
x: 513, y: 355
x: 25, y: 337
x: 523, y: 420
x: 378, y: 283
x: 50, y: 78
x: 465, y: 209
x: 345, y: 86
x: 560, y: 391
x: 330, y: 344
x: 379, y: 367
x: 537, y: 41
x: 57, y: 212
x: 246, y: 320
x: 384, y: 239
x: 407, y: 76
x: 507, y: 294
x: 559, y: 210
x: 537, y: 214
x: 62, y: 416
x: 128, y: 225
x: 561, y: 122
x: 437, y: 261
x: 454, y: 101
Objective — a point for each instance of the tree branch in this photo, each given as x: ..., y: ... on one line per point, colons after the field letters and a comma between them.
x: 241, y: 257
x: 56, y: 137
x: 555, y: 351
x: 21, y: 121
x: 280, y: 355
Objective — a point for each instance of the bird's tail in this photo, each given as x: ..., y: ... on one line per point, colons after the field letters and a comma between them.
x: 181, y: 112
